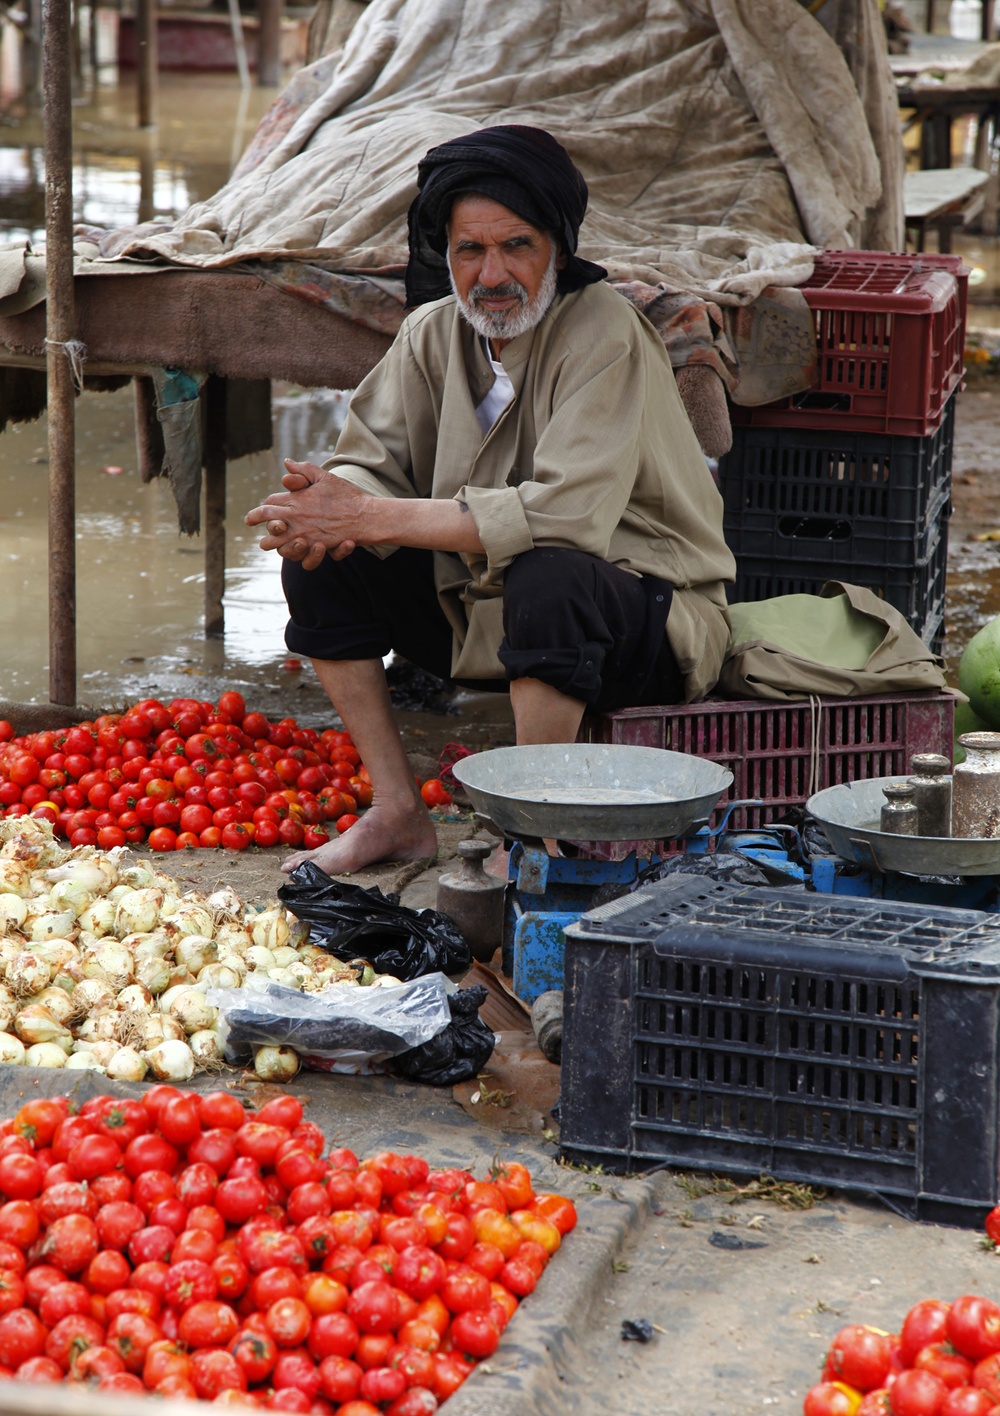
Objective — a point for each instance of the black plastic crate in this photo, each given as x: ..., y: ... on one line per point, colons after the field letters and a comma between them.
x: 870, y: 495
x: 916, y: 590
x: 821, y: 1039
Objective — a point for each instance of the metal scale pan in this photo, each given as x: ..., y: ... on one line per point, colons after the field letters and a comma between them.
x: 849, y: 814
x: 592, y: 792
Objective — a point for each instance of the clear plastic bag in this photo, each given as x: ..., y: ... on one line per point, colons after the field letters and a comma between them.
x: 353, y: 1025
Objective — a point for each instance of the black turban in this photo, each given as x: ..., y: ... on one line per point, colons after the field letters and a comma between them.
x: 525, y: 170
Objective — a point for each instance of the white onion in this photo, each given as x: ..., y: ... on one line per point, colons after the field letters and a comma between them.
x: 127, y: 1066
x: 49, y: 924
x: 225, y: 903
x: 94, y: 994
x: 194, y: 951
x: 27, y: 974
x: 154, y: 973
x: 13, y: 911
x: 115, y: 963
x: 104, y: 1051
x: 192, y: 1011
x: 205, y: 1045
x: 95, y: 873
x: 171, y: 1061
x: 98, y: 918
x: 71, y: 895
x: 269, y: 928
x: 83, y: 1062
x: 15, y: 877
x: 259, y: 957
x: 193, y: 916
x: 286, y: 978
x: 136, y: 874
x: 172, y: 1029
x: 135, y: 996
x: 58, y: 1002
x: 138, y: 912
x: 276, y: 1064
x: 102, y: 1026
x: 231, y: 937
x: 11, y: 1048
x: 147, y: 946
x: 45, y: 1054
x: 285, y: 955
x: 220, y: 976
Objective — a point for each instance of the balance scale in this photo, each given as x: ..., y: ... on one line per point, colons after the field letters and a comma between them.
x: 581, y: 792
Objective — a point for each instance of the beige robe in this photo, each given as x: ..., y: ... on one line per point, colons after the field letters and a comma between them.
x: 595, y: 453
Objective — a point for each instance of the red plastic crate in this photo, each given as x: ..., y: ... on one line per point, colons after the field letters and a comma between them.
x: 890, y: 335
x: 781, y: 752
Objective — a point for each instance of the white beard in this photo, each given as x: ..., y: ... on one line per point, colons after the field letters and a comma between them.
x: 508, y: 324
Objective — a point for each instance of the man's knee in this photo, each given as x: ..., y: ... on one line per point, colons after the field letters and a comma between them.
x: 544, y: 590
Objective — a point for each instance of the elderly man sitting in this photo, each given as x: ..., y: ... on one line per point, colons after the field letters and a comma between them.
x: 534, y: 509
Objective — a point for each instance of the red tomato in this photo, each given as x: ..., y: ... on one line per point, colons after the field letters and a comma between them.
x: 465, y: 1291
x: 274, y: 1283
x: 256, y: 1353
x: 98, y: 1362
x: 150, y: 1153
x: 237, y: 1200
x: 107, y: 1271
x: 333, y: 1335
x: 221, y: 1109
x: 340, y: 1378
x: 475, y: 1333
x: 992, y: 1225
x: 973, y: 1326
x: 916, y: 1393
x: 860, y: 1356
x: 232, y: 1275
x: 62, y: 1300
x: 419, y: 1272
x: 296, y: 1370
x: 71, y: 1336
x: 288, y: 1321
x: 131, y: 1335
x: 13, y: 1293
x: 941, y: 1359
x: 215, y: 1148
x: 435, y: 794
x: 831, y: 1399
x: 39, y: 1369
x: 214, y: 1371
x: 208, y: 1324
x: 20, y: 1175
x: 965, y: 1401
x: 382, y: 1384
x: 187, y: 1282
x: 117, y: 1222
x: 373, y: 1307
x: 122, y: 1120
x: 152, y: 1188
x: 70, y: 1243
x: 39, y: 1120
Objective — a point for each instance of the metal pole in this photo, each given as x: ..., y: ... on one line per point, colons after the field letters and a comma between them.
x: 269, y: 43
x: 147, y: 61
x: 60, y: 332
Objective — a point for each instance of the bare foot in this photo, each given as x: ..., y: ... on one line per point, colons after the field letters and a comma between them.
x: 386, y: 831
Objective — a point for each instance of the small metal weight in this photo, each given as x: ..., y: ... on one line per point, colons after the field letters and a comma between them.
x: 899, y: 814
x: 931, y: 783
x: 474, y: 900
x: 976, y: 787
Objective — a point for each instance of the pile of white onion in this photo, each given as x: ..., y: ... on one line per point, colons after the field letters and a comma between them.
x: 105, y: 962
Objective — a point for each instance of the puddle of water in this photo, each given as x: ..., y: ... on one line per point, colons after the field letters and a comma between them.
x: 140, y: 585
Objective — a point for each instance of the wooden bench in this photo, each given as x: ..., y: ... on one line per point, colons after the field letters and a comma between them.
x: 941, y: 198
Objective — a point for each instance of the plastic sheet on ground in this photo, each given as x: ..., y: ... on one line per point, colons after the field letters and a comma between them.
x: 356, y: 1029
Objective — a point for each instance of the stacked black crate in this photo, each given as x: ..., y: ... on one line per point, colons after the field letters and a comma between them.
x: 851, y: 481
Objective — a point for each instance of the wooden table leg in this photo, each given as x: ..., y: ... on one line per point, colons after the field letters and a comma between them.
x: 215, y: 506
x: 987, y: 30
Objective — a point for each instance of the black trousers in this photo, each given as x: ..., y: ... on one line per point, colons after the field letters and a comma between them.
x: 583, y: 626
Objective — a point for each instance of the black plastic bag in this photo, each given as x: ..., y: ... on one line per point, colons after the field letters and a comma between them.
x: 352, y: 923
x: 457, y: 1053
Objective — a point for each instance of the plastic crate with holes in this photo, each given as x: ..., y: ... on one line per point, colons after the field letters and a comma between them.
x: 855, y: 502
x: 781, y: 752
x: 820, y: 1039
x: 890, y: 337
x: 917, y: 590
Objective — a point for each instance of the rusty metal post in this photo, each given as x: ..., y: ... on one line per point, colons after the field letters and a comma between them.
x: 269, y: 43
x: 60, y: 336
x: 147, y: 61
x: 215, y: 506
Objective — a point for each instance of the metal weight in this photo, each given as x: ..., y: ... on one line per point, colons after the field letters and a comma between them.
x: 474, y: 900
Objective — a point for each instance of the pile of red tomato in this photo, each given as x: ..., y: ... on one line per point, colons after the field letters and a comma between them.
x: 182, y: 1246
x: 188, y: 774
x: 945, y: 1361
